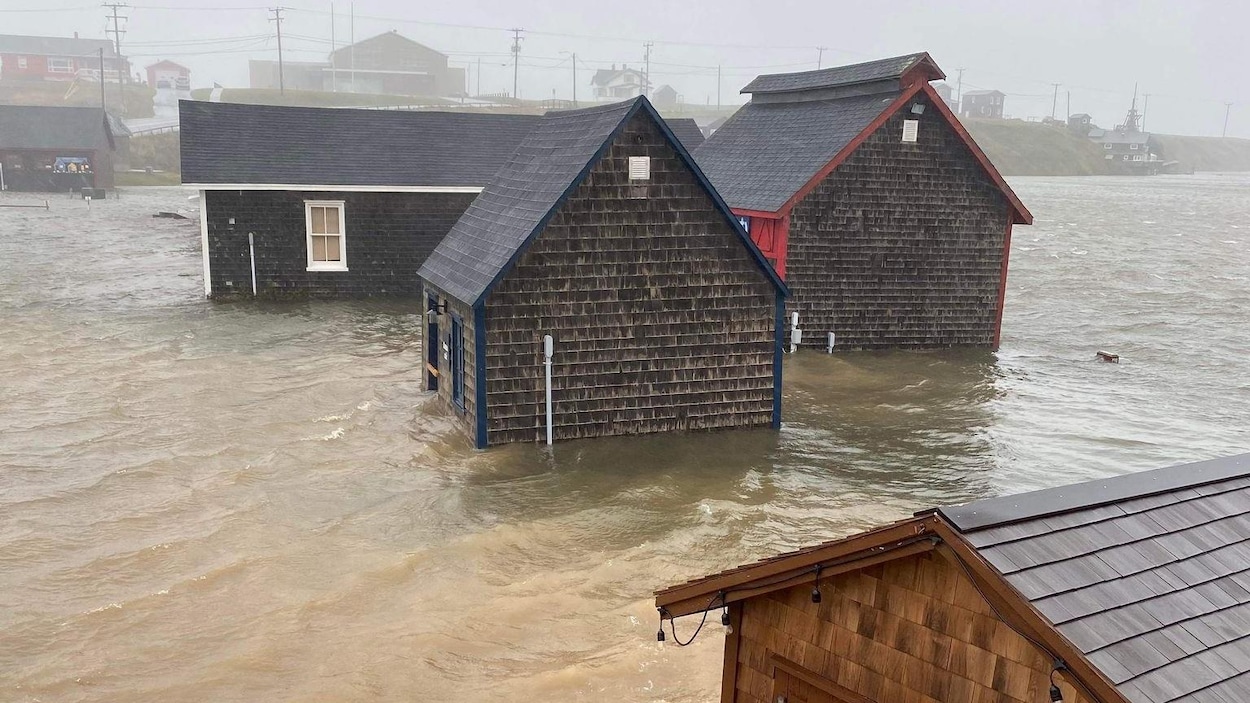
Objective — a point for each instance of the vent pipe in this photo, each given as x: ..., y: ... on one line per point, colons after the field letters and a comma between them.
x: 549, y: 346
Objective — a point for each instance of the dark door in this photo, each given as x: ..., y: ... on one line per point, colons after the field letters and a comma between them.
x: 456, y: 362
x: 431, y: 343
x: 796, y: 684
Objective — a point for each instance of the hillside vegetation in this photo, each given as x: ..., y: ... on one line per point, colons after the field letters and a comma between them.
x: 137, y: 100
x: 1207, y: 153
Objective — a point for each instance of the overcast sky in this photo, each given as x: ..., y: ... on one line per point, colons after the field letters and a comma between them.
x: 1184, y: 53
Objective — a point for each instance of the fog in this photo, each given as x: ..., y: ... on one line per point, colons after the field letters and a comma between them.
x: 1183, y: 54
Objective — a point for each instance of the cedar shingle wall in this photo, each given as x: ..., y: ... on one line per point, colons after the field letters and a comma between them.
x: 389, y: 236
x: 913, y: 630
x: 661, y: 319
x: 901, y: 246
x: 467, y: 417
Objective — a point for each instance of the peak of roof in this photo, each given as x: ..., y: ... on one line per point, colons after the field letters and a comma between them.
x: 839, y: 76
x: 1005, y: 510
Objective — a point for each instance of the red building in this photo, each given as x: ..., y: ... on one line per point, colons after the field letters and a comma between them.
x: 24, y: 58
x: 166, y: 74
x: 889, y: 224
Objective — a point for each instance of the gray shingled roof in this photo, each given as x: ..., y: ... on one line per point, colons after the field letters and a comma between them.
x: 766, y: 152
x: 1148, y: 574
x: 262, y: 144
x: 687, y: 131
x: 54, y: 46
x: 29, y: 127
x: 879, y: 70
x: 551, y: 162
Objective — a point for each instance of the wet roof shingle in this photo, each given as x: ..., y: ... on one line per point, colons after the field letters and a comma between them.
x: 838, y: 76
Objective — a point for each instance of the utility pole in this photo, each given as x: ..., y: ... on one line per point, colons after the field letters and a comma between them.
x: 646, y: 74
x: 516, y: 60
x: 718, y: 87
x: 1227, y: 108
x: 959, y: 93
x: 479, y: 76
x: 117, y: 33
x: 820, y: 56
x: 351, y: 49
x: 277, y: 19
x: 1069, y: 108
x: 1145, y: 106
x: 334, y: 74
x: 1054, y: 102
x: 574, y: 80
x: 103, y: 103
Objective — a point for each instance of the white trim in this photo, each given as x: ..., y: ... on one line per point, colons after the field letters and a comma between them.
x: 341, y: 264
x: 208, y: 281
x: 340, y: 188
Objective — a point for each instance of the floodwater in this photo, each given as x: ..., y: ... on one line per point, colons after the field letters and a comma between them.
x: 257, y: 502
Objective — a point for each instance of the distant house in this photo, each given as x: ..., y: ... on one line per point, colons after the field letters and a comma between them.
x: 1127, y: 149
x: 601, y: 232
x: 332, y: 202
x: 687, y: 130
x: 26, y: 58
x: 1130, y: 589
x: 664, y: 97
x: 983, y: 103
x: 1081, y: 123
x: 55, y: 148
x: 388, y: 63
x: 889, y: 224
x: 945, y: 92
x: 618, y: 84
x: 167, y: 75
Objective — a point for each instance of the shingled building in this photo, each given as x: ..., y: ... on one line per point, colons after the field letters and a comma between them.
x: 333, y: 202
x: 56, y: 148
x: 601, y: 232
x: 1132, y: 589
x: 886, y: 220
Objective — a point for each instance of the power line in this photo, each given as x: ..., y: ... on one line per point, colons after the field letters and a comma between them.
x: 516, y: 60
x: 117, y: 40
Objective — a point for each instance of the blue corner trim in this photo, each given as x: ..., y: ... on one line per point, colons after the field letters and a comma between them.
x: 779, y: 335
x: 479, y: 367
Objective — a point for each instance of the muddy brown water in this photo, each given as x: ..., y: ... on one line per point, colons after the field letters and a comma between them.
x: 244, y: 502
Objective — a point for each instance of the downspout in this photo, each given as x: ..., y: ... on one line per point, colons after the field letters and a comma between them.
x: 480, y: 439
x: 251, y: 252
x: 779, y: 334
x: 548, y: 350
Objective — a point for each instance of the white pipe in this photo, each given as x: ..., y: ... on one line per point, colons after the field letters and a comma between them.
x: 2, y: 176
x: 832, y: 339
x: 251, y: 250
x: 548, y: 351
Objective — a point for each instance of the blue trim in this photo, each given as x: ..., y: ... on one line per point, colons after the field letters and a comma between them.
x: 779, y: 339
x: 479, y: 380
x: 455, y: 354
x: 673, y: 141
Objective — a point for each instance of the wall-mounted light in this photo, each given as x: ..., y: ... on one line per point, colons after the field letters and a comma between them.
x: 436, y: 309
x: 917, y: 108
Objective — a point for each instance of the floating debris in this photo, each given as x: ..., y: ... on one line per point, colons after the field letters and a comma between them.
x: 1109, y: 357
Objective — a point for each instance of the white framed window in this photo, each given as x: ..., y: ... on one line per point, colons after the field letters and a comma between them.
x: 1139, y: 157
x: 1106, y: 145
x: 59, y: 65
x: 1109, y: 157
x: 327, y: 238
x: 1133, y: 146
x: 21, y: 62
x: 911, y: 131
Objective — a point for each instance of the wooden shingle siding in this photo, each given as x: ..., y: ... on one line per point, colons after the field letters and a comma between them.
x: 913, y: 630
x: 901, y: 246
x: 388, y: 237
x: 467, y: 418
x: 662, y: 321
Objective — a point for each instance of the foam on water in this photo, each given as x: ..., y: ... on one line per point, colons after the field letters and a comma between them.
x: 257, y: 501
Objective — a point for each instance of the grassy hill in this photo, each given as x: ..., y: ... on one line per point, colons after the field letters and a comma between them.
x: 1207, y: 153
x: 1019, y: 148
x: 137, y: 98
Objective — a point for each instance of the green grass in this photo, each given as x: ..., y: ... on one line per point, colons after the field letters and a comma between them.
x: 315, y: 98
x: 1018, y: 148
x: 1206, y: 153
x: 159, y: 152
x: 137, y: 98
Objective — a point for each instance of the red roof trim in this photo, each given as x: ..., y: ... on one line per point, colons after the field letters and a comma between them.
x: 914, y: 74
x: 757, y: 213
x: 1021, y: 214
x: 848, y: 149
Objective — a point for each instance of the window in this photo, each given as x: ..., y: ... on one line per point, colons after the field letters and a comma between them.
x: 1126, y: 157
x: 455, y: 350
x: 911, y: 131
x: 1106, y: 145
x: 21, y: 62
x: 1139, y: 157
x: 1133, y: 146
x: 327, y: 250
x: 57, y: 65
x: 1110, y: 157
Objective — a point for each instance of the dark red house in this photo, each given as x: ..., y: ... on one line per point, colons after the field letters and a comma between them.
x: 26, y: 58
x: 887, y: 221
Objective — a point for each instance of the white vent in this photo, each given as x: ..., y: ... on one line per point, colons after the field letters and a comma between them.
x: 911, y: 130
x: 640, y: 168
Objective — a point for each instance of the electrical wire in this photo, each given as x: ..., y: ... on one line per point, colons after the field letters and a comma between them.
x: 672, y: 626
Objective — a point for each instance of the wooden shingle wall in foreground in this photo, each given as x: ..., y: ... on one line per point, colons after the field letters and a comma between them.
x: 662, y: 320
x: 901, y: 246
x: 913, y: 630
